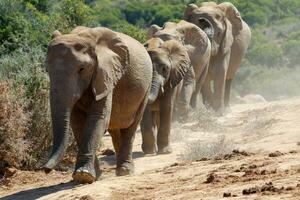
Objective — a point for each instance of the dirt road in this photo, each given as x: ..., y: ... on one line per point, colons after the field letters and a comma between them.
x: 264, y: 165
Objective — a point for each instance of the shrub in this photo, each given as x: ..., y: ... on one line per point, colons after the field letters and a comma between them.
x: 270, y: 83
x: 137, y: 33
x: 25, y: 68
x: 14, y: 148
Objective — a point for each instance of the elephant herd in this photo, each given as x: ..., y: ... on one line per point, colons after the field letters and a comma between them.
x: 102, y: 80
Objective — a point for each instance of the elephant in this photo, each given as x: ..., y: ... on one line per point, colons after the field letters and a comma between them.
x: 230, y: 37
x: 198, y: 47
x: 171, y: 62
x: 99, y: 81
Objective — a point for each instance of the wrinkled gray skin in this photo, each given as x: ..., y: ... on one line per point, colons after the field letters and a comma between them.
x: 170, y: 64
x: 93, y: 72
x: 230, y: 37
x: 198, y: 47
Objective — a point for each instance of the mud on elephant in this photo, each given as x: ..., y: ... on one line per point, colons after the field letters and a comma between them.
x: 230, y: 37
x: 198, y: 47
x: 92, y: 73
x: 170, y: 64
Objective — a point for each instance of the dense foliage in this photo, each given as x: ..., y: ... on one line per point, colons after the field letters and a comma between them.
x: 26, y: 26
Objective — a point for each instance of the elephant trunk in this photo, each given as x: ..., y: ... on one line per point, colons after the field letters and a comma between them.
x: 156, y: 85
x: 207, y: 27
x: 60, y: 114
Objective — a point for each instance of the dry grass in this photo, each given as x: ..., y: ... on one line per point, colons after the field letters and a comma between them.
x: 257, y: 122
x: 14, y: 120
x: 206, y: 119
x: 203, y: 149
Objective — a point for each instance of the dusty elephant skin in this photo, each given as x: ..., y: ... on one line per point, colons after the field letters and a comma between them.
x: 230, y: 37
x: 170, y: 64
x: 198, y: 47
x: 100, y: 81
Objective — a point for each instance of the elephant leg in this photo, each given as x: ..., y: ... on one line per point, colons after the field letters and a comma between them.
x: 219, y: 87
x: 163, y: 135
x: 207, y: 94
x: 116, y: 140
x: 124, y: 157
x: 125, y: 164
x: 148, y: 128
x: 227, y: 92
x: 78, y: 118
x: 186, y: 92
x: 194, y: 99
x: 199, y: 86
x: 96, y: 123
x: 219, y: 83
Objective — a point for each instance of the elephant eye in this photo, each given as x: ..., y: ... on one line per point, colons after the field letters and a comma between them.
x: 218, y: 17
x: 164, y: 70
x: 81, y: 69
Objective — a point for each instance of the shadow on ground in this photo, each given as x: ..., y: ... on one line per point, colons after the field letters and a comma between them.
x: 36, y: 193
x: 111, y: 160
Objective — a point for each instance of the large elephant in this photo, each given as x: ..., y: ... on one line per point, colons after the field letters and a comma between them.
x: 230, y: 37
x: 198, y: 47
x: 99, y: 80
x: 170, y: 64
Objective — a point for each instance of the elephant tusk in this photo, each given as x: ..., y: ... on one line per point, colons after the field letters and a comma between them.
x: 162, y: 89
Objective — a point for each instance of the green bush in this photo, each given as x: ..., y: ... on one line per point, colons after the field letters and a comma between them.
x: 272, y: 83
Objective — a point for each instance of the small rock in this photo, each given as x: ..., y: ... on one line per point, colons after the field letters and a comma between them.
x: 293, y: 151
x: 86, y: 197
x: 254, y: 166
x: 212, y: 177
x: 275, y: 154
x: 9, y: 171
x: 202, y: 159
x: 227, y: 194
x: 243, y: 153
x: 289, y: 188
x: 252, y: 190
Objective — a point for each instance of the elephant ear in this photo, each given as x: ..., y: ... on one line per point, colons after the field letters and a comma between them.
x: 227, y: 38
x: 152, y: 30
x: 179, y: 60
x: 233, y: 15
x: 112, y: 57
x: 188, y: 11
x: 55, y: 34
x: 192, y: 37
x: 79, y: 29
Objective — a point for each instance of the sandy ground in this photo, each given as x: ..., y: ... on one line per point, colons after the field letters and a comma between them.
x: 264, y: 165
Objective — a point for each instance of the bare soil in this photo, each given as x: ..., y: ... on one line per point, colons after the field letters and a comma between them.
x: 265, y: 164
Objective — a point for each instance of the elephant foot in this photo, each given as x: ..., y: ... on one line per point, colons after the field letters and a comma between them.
x: 125, y: 169
x: 227, y: 109
x: 148, y: 150
x: 87, y: 172
x: 165, y: 150
x: 82, y: 175
x: 97, y: 169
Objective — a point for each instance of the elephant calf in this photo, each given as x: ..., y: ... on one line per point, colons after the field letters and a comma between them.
x: 198, y: 47
x: 99, y: 80
x: 170, y: 64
